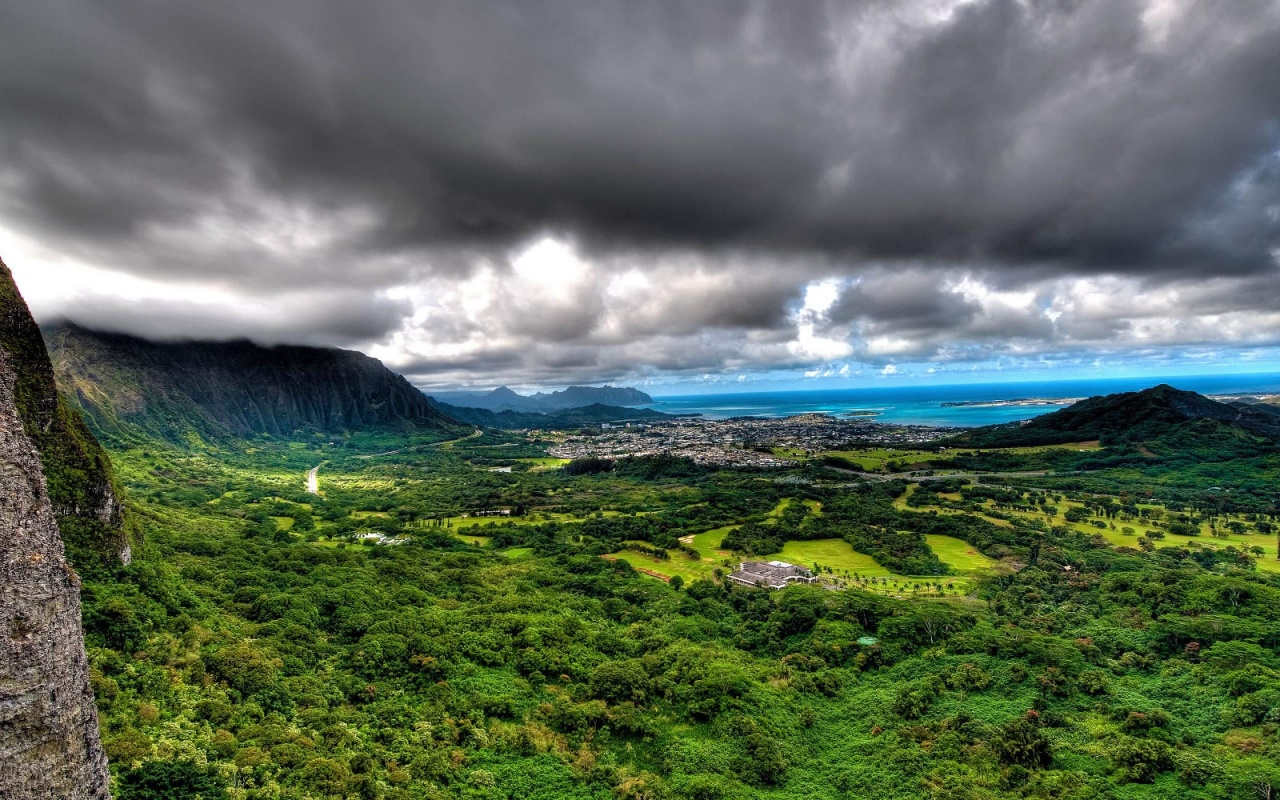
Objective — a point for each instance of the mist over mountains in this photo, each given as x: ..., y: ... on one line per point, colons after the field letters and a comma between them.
x: 229, y: 389
x: 126, y: 386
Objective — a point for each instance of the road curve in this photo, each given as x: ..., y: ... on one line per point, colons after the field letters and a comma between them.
x: 313, y: 481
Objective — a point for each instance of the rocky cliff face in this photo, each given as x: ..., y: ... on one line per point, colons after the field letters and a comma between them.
x: 49, y: 745
x: 217, y: 389
x: 77, y: 470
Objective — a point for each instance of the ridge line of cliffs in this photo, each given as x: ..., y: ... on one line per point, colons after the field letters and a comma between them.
x: 49, y: 740
x: 230, y: 389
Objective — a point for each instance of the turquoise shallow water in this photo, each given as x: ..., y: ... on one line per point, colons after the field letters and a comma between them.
x: 924, y: 405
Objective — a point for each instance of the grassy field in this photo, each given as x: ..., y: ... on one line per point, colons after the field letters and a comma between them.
x: 679, y: 564
x: 900, y: 503
x: 543, y: 464
x: 1244, y: 541
x: 535, y: 518
x: 1267, y: 561
x: 708, y: 542
x: 839, y: 562
x: 848, y: 567
x: 957, y: 553
x: 815, y: 508
x: 834, y: 553
x: 472, y: 538
x: 777, y: 510
x: 878, y: 459
x: 283, y: 523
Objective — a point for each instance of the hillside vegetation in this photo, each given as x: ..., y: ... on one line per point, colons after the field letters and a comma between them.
x: 1153, y: 414
x: 77, y: 470
x: 970, y: 639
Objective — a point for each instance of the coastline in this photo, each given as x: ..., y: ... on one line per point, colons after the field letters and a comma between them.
x: 960, y: 405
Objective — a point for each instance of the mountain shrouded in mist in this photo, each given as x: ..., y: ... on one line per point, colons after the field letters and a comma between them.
x: 219, y: 389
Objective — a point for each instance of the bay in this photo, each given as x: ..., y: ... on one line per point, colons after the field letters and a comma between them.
x: 961, y: 405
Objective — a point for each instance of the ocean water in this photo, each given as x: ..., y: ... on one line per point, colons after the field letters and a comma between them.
x: 924, y: 405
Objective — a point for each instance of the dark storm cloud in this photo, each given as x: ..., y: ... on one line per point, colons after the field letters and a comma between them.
x: 272, y: 146
x: 912, y: 300
x: 1024, y: 132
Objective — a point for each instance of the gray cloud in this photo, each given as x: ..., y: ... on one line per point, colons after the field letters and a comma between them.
x: 964, y: 172
x: 343, y: 318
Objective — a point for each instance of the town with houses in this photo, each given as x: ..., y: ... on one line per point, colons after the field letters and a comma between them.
x: 741, y: 441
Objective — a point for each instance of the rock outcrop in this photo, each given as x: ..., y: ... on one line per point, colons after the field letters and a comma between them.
x: 49, y: 743
x: 76, y: 468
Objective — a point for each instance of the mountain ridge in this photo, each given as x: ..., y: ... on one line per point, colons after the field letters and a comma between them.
x: 1131, y: 417
x: 505, y: 399
x: 229, y: 389
x: 566, y: 417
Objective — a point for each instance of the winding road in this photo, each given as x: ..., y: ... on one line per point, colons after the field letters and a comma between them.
x: 313, y: 480
x: 474, y: 434
x: 917, y: 476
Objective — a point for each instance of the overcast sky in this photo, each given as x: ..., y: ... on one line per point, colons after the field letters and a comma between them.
x: 540, y: 193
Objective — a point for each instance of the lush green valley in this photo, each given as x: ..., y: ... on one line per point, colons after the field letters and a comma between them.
x: 997, y: 642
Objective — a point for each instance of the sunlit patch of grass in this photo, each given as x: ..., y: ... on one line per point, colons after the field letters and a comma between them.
x: 709, y: 541
x: 543, y: 464
x: 957, y: 553
x: 838, y: 561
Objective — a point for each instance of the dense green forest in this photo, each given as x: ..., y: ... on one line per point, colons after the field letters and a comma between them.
x: 378, y: 641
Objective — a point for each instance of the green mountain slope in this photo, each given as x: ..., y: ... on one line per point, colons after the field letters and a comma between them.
x: 78, y: 472
x: 1150, y: 415
x: 217, y: 390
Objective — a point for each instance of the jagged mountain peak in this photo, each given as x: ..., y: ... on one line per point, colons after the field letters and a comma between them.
x: 504, y: 399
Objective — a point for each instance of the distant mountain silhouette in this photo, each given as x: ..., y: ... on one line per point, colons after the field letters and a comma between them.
x: 1147, y: 415
x: 504, y: 399
x: 566, y: 417
x: 237, y: 388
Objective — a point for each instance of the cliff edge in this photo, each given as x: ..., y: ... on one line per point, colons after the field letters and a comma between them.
x: 49, y: 743
x: 76, y: 468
